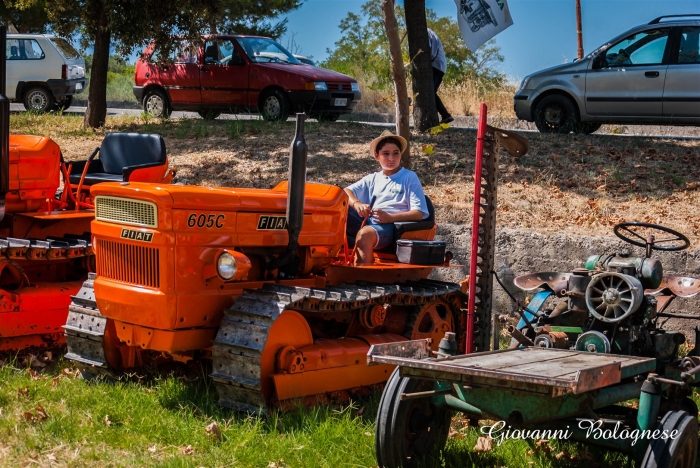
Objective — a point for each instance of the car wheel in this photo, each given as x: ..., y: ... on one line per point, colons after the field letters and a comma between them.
x: 587, y: 128
x: 38, y: 100
x: 63, y: 105
x: 209, y: 114
x: 156, y: 104
x: 556, y: 114
x: 274, y: 105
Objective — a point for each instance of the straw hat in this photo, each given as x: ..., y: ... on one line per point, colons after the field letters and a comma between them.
x: 387, y: 134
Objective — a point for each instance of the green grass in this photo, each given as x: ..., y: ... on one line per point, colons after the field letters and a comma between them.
x: 152, y: 423
x: 119, y: 88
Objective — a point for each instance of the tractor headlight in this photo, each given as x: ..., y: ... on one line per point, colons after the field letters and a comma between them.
x: 226, y: 266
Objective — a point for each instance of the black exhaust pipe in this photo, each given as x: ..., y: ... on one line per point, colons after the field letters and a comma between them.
x: 288, y: 262
x: 297, y: 184
x: 4, y: 125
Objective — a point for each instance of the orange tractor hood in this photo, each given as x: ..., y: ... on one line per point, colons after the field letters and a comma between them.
x: 318, y: 196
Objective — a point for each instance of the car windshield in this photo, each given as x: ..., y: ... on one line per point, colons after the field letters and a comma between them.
x: 66, y: 49
x: 262, y: 49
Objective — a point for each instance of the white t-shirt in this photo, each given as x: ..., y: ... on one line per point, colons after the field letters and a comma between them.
x: 437, y: 53
x: 397, y: 193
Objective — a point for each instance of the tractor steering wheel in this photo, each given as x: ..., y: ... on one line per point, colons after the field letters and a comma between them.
x: 677, y: 241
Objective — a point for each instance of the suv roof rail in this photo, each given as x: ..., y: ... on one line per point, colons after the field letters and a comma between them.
x: 658, y: 20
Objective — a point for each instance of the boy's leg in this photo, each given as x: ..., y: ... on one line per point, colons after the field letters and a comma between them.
x: 364, y: 242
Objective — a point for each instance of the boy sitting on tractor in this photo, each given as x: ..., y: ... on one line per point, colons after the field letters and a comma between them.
x: 379, y: 200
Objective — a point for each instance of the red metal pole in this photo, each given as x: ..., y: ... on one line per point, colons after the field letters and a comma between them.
x: 480, y: 135
x: 579, y: 29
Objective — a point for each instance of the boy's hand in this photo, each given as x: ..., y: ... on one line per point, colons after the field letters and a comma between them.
x: 382, y: 217
x: 362, y: 209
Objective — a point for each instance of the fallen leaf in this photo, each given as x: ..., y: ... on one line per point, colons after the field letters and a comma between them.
x: 23, y: 392
x: 152, y: 448
x: 51, y: 457
x: 187, y: 450
x: 213, y: 431
x: 428, y: 149
x: 361, y: 411
x: 41, y: 413
x: 32, y: 361
x: 54, y: 382
x: 280, y: 464
x: 108, y: 423
x: 70, y: 373
x: 46, y: 356
x: 692, y: 185
x: 33, y: 374
x: 29, y: 416
x: 368, y: 434
x: 483, y: 444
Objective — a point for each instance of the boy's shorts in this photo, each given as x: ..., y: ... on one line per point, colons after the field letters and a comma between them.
x: 385, y: 232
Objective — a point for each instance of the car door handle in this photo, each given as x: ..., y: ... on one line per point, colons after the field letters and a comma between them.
x: 203, y: 69
x: 651, y: 74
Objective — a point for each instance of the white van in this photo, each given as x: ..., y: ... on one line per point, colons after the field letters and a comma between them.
x: 43, y: 71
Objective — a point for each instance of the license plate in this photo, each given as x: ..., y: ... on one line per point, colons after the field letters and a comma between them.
x: 340, y: 102
x: 78, y: 86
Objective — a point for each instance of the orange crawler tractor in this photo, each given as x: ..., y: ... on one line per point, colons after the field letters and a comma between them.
x: 45, y: 245
x: 260, y: 281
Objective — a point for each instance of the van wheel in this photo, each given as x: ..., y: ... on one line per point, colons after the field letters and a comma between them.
x: 209, y: 114
x: 275, y: 105
x: 63, y: 105
x: 156, y: 104
x: 555, y: 114
x: 38, y: 100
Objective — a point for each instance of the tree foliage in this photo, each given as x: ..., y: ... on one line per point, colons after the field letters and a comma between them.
x: 364, y: 49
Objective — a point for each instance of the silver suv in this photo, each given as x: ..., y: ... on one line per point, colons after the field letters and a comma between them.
x: 43, y: 71
x: 648, y: 75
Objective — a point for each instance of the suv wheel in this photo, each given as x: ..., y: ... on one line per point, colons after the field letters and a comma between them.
x: 156, y: 104
x: 38, y: 100
x: 275, y: 105
x: 555, y: 114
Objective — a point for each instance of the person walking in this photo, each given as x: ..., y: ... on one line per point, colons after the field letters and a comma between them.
x: 439, y: 62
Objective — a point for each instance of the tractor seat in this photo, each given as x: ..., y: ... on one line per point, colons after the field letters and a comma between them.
x: 120, y: 155
x: 407, y: 226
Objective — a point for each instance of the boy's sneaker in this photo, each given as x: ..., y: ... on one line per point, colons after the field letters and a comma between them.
x: 447, y: 119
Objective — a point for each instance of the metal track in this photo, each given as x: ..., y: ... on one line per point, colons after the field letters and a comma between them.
x: 85, y: 330
x: 487, y: 245
x: 52, y: 248
x: 244, y: 329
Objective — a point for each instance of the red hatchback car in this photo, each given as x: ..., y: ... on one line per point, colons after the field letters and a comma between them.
x: 235, y: 73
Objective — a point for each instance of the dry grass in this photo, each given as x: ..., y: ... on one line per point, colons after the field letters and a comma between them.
x: 575, y: 184
x: 460, y: 98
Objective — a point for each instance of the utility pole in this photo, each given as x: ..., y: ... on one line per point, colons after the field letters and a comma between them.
x: 579, y: 29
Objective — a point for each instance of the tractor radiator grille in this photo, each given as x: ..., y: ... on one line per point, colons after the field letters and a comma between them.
x: 126, y: 211
x: 128, y: 263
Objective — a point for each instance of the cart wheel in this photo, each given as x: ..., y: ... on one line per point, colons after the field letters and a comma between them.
x: 680, y: 452
x: 382, y: 442
x: 417, y: 427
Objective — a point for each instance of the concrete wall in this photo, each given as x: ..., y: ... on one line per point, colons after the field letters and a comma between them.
x: 521, y: 252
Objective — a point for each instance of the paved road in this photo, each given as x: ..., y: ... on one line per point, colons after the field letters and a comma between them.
x: 463, y: 122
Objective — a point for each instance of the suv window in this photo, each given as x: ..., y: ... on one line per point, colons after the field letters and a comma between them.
x: 65, y: 48
x: 689, y: 50
x: 23, y: 49
x: 644, y: 48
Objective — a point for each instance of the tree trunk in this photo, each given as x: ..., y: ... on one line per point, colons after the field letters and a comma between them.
x: 424, y: 111
x: 96, y: 111
x: 399, y: 75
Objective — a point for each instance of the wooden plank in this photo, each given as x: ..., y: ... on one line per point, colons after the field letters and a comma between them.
x: 513, y: 357
x: 564, y: 366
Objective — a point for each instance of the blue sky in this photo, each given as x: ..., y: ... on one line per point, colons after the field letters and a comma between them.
x: 543, y: 33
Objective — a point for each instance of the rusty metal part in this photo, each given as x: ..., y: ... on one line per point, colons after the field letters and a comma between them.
x: 432, y: 321
x: 522, y: 339
x: 551, y: 339
x: 486, y: 242
x: 561, y: 307
x: 681, y: 286
x: 516, y: 145
x: 554, y: 281
x: 245, y: 348
x: 426, y: 394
